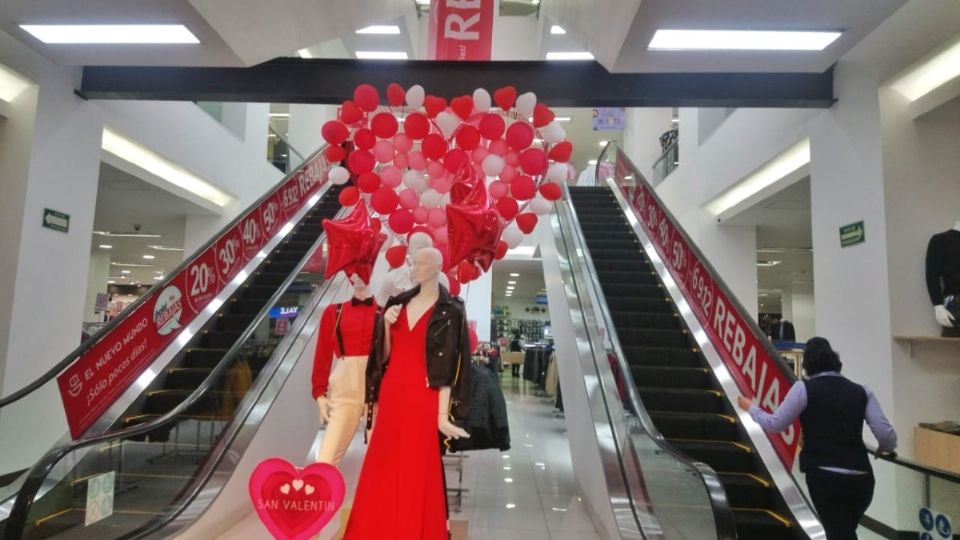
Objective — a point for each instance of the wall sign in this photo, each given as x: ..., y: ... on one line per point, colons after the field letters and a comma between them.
x: 755, y: 371
x: 99, y: 497
x: 92, y: 383
x: 852, y: 234
x: 460, y: 30
x: 934, y: 525
x: 609, y: 119
x: 58, y: 221
x: 295, y: 504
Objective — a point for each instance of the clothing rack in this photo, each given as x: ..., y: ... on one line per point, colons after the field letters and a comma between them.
x: 455, y: 462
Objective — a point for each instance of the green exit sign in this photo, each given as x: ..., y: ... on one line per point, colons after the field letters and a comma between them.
x: 57, y: 221
x: 852, y: 234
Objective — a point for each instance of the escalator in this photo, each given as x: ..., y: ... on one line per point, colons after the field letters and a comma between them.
x: 675, y: 383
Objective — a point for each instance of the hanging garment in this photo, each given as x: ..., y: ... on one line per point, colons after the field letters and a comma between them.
x: 487, y: 422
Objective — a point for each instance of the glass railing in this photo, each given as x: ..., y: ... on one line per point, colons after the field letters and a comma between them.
x: 127, y: 484
x: 667, y: 494
x: 667, y: 163
x: 281, y: 153
x: 918, y: 486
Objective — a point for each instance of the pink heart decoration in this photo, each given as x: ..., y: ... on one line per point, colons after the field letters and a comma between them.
x: 298, y: 513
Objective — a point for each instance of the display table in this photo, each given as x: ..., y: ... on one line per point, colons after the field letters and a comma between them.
x: 512, y: 358
x: 937, y: 449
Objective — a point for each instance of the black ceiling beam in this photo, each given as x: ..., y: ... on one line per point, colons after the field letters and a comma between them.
x: 559, y: 84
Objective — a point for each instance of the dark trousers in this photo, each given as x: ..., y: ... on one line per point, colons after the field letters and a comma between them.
x: 840, y: 500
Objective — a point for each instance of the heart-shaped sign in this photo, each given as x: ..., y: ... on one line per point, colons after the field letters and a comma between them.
x: 295, y: 504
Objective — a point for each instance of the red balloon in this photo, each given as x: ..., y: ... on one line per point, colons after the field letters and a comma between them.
x: 533, y: 161
x: 384, y: 125
x: 434, y: 105
x: 505, y: 97
x: 401, y: 222
x: 551, y: 191
x: 368, y: 182
x: 334, y: 132
x: 474, y: 340
x: 361, y: 161
x: 454, y: 285
x: 455, y: 159
x: 467, y: 272
x: 364, y: 139
x: 523, y: 188
x: 366, y: 97
x: 396, y: 96
x: 492, y: 126
x: 501, y: 252
x: 349, y: 196
x: 561, y: 151
x: 472, y: 235
x: 396, y: 255
x: 352, y: 244
x: 498, y: 147
x: 462, y: 106
x: 542, y: 115
x: 334, y: 153
x: 468, y: 137
x: 416, y: 126
x: 350, y: 113
x: 433, y: 146
x: 519, y: 136
x: 526, y: 222
x: 384, y: 200
x: 508, y: 208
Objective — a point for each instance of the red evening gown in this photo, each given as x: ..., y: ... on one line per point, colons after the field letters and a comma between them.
x: 401, y: 494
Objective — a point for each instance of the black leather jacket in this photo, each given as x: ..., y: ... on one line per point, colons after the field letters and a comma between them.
x: 448, y: 351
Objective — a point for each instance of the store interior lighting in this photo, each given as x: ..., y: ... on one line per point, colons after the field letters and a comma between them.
x: 741, y: 40
x: 382, y: 55
x: 111, y: 34
x: 149, y: 257
x: 380, y: 29
x: 305, y: 53
x: 787, y: 162
x: 105, y: 246
x: 569, y: 55
x: 930, y: 74
x: 11, y: 84
x: 557, y: 30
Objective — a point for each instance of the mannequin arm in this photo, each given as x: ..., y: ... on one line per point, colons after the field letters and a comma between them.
x: 447, y: 427
x: 943, y: 316
x: 389, y: 317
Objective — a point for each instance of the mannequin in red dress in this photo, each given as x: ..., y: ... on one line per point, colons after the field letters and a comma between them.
x: 400, y: 494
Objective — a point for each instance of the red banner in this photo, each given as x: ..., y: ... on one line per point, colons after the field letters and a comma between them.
x: 755, y: 371
x: 92, y: 383
x: 460, y: 30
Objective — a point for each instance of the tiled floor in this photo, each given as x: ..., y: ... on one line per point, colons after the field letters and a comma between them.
x: 526, y: 493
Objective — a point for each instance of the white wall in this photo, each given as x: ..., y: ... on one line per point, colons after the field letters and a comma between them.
x: 96, y: 283
x: 303, y: 130
x: 802, y: 311
x: 477, y: 296
x: 641, y: 137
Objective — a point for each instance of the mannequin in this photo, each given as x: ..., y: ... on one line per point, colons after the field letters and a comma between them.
x: 943, y: 275
x: 346, y: 333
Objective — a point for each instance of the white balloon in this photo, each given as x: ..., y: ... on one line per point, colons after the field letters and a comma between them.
x: 557, y: 173
x: 339, y: 175
x: 414, y: 180
x: 418, y: 241
x: 526, y: 103
x: 539, y: 205
x: 512, y: 235
x: 448, y: 123
x: 430, y: 198
x: 481, y: 100
x: 553, y: 133
x: 492, y: 165
x: 415, y: 96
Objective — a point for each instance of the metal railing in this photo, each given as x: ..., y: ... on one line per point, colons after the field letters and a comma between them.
x: 666, y: 164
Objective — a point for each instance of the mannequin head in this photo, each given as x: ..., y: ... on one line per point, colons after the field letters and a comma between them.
x: 427, y: 263
x: 360, y: 289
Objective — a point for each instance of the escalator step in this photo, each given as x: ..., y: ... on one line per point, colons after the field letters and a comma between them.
x: 760, y: 524
x: 635, y: 289
x: 747, y: 490
x: 613, y: 243
x: 202, y: 358
x: 722, y: 456
x: 233, y: 323
x: 287, y: 256
x: 278, y: 267
x: 690, y: 400
x: 662, y: 356
x: 639, y: 278
x: 653, y: 319
x: 246, y: 305
x: 633, y: 336
x: 695, y: 426
x: 218, y: 340
x: 185, y: 378
x: 671, y: 377
x: 258, y: 291
x: 162, y: 401
x: 641, y: 303
x: 625, y: 269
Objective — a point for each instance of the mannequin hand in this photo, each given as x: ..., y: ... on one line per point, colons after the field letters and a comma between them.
x: 324, y: 404
x: 744, y: 403
x: 392, y: 314
x: 450, y: 429
x: 943, y: 316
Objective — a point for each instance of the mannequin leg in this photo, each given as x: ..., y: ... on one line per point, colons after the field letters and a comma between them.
x: 346, y: 400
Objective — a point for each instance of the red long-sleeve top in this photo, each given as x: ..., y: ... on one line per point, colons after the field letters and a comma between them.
x: 357, y: 321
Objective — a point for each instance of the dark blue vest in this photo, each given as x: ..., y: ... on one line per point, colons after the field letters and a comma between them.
x: 833, y: 425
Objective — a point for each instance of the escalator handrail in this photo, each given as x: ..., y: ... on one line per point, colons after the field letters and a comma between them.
x: 35, y: 477
x: 156, y: 288
x: 942, y: 474
x: 723, y: 514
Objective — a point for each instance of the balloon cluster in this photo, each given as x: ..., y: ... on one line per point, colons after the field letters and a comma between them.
x: 471, y: 178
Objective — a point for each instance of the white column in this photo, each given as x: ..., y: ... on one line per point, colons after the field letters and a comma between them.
x: 478, y: 296
x: 802, y: 311
x: 303, y: 130
x: 96, y: 283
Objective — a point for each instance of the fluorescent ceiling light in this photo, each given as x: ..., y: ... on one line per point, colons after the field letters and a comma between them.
x: 105, y: 246
x: 382, y: 55
x: 603, y: 143
x: 562, y: 119
x: 124, y: 271
x: 741, y: 40
x: 579, y: 55
x: 514, y: 274
x: 767, y: 264
x: 592, y: 162
x: 557, y: 30
x: 157, y: 278
x: 110, y: 282
x: 304, y: 53
x: 126, y: 235
x: 131, y: 265
x: 113, y: 34
x: 162, y: 248
x: 11, y: 84
x: 787, y: 162
x: 931, y: 74
x: 511, y: 282
x: 675, y: 120
x: 279, y: 115
x: 423, y: 2
x: 149, y: 257
x: 146, y: 159
x: 382, y: 29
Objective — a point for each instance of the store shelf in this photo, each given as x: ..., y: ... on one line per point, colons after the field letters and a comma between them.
x: 912, y: 340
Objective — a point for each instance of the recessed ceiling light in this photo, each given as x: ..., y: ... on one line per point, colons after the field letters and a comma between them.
x: 569, y: 55
x: 279, y: 115
x: 162, y: 248
x: 146, y: 159
x: 131, y: 265
x: 514, y: 274
x: 124, y: 271
x: 149, y: 257
x: 423, y: 2
x: 741, y: 40
x: 157, y: 278
x: 562, y: 119
x: 110, y: 282
x: 557, y: 30
x: 767, y: 263
x: 511, y: 283
x: 675, y: 120
x: 510, y: 288
x: 929, y: 75
x: 592, y: 162
x: 111, y: 34
x: 384, y: 29
x: 11, y: 84
x: 382, y: 55
x: 511, y: 506
x: 603, y: 143
x: 787, y: 162
x: 126, y: 235
x: 105, y: 246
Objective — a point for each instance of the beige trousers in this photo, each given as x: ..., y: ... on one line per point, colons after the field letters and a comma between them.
x: 346, y: 394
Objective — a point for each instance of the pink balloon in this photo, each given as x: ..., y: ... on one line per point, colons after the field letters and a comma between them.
x: 435, y: 169
x: 421, y: 215
x: 384, y: 152
x: 417, y: 161
x: 409, y: 199
x: 498, y: 147
x: 442, y: 185
x: 402, y: 143
x: 391, y: 176
x: 478, y: 154
x: 508, y: 173
x: 437, y: 218
x: 497, y: 189
x: 512, y: 158
x: 401, y: 160
x: 440, y: 236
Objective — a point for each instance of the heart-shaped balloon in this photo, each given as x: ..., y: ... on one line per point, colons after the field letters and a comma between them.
x: 542, y: 115
x: 448, y: 123
x: 434, y: 105
x: 396, y: 256
x: 561, y: 151
x: 526, y: 103
x: 415, y: 96
x: 295, y: 504
x: 395, y: 95
x: 526, y: 222
x: 463, y: 106
x: 505, y: 97
x: 481, y: 100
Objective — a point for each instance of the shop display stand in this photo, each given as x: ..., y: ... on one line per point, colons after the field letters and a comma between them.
x: 455, y: 463
x: 919, y: 340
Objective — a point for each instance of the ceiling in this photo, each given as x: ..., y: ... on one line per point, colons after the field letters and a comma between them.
x: 529, y: 283
x: 249, y: 32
